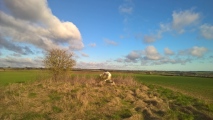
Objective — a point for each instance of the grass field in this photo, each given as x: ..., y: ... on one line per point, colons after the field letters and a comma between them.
x: 81, y: 96
x: 201, y: 88
x: 20, y: 76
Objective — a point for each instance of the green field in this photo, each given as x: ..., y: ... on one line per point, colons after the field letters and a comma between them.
x: 201, y: 88
x: 20, y: 76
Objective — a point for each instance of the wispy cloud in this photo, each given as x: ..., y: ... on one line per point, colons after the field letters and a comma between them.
x: 167, y: 51
x: 92, y: 44
x: 206, y: 31
x: 84, y: 54
x: 183, y: 19
x: 110, y: 42
x: 180, y: 21
x: 194, y: 51
x: 126, y: 7
x: 97, y: 65
x: 171, y: 61
x: 149, y: 38
x: 120, y: 60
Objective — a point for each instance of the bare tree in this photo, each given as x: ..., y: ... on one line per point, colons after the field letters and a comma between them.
x: 59, y: 62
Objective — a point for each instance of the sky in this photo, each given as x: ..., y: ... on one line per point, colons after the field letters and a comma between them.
x: 170, y: 35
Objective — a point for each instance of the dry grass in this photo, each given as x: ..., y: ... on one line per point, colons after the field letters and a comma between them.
x: 82, y: 97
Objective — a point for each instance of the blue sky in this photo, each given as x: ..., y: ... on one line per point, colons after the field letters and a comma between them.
x: 109, y: 34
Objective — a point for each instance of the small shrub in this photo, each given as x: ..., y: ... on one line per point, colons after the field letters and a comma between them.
x: 59, y: 62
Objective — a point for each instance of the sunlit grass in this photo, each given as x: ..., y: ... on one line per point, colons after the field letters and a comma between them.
x: 83, y: 96
x: 197, y: 87
x: 21, y: 76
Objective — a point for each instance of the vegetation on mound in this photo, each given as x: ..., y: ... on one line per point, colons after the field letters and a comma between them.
x: 84, y: 97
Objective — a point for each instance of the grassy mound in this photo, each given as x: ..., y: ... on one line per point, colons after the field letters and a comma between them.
x: 84, y: 97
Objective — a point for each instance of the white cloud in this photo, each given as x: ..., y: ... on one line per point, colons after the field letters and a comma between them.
x: 183, y: 19
x: 110, y: 42
x: 149, y: 39
x: 150, y: 56
x: 15, y: 61
x: 96, y: 65
x: 194, y: 51
x: 92, y: 44
x: 167, y: 51
x: 198, y: 51
x: 171, y: 61
x: 6, y: 44
x: 84, y: 55
x: 152, y: 53
x: 158, y: 35
x: 32, y: 22
x: 125, y: 9
x: 133, y: 56
x: 180, y: 21
x: 120, y: 60
x: 207, y: 31
x: 164, y: 28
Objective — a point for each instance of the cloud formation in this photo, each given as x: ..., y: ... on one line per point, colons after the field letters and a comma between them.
x: 180, y: 21
x: 97, y: 65
x: 167, y: 51
x: 126, y: 7
x: 133, y: 56
x: 207, y: 31
x: 198, y: 51
x: 149, y: 53
x: 92, y: 44
x: 9, y: 61
x: 149, y: 39
x: 183, y: 19
x: 6, y: 44
x: 171, y: 61
x: 194, y: 51
x: 152, y: 53
x: 32, y: 22
x: 110, y: 42
x: 84, y: 55
x: 150, y: 56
